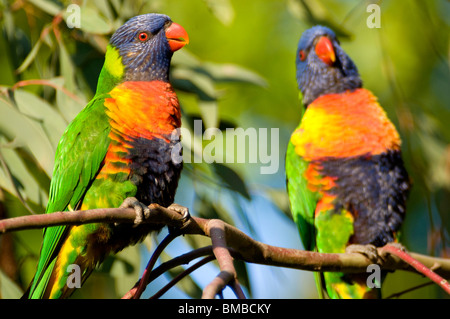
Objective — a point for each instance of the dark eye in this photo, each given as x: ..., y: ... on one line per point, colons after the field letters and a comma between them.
x: 143, y: 36
x: 302, y: 55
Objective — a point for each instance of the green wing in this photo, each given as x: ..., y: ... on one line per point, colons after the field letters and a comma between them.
x: 302, y: 200
x: 79, y: 157
x: 303, y: 203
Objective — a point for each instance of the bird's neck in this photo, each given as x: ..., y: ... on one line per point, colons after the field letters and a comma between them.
x: 317, y: 81
x: 154, y: 67
x: 114, y: 71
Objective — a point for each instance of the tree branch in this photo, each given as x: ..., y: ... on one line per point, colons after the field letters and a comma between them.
x: 158, y: 215
x: 228, y: 274
x: 172, y: 263
x: 418, y: 266
x: 185, y: 273
x: 151, y: 263
x: 228, y: 240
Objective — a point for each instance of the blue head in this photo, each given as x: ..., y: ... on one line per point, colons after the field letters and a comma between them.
x: 146, y: 44
x: 322, y: 66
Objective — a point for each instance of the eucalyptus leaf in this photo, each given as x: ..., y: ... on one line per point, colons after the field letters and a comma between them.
x: 67, y: 67
x: 50, y: 7
x: 222, y: 10
x: 68, y: 106
x: 226, y: 72
x: 22, y: 179
x: 232, y: 179
x: 195, y: 82
x: 94, y: 22
x: 38, y: 109
x: 30, y: 57
x: 8, y: 288
x: 29, y: 133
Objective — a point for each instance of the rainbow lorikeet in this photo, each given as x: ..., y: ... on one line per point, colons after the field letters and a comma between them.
x: 117, y: 150
x: 346, y: 180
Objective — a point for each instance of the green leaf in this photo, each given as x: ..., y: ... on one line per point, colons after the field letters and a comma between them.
x: 38, y: 109
x: 17, y: 178
x: 222, y: 10
x: 210, y: 113
x: 93, y: 22
x: 195, y: 82
x: 30, y: 57
x: 50, y: 7
x: 24, y: 131
x: 8, y: 288
x: 227, y: 72
x: 67, y: 105
x: 67, y: 67
x: 125, y: 269
x: 231, y: 179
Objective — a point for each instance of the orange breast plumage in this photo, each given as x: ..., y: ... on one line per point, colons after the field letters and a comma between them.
x: 345, y: 125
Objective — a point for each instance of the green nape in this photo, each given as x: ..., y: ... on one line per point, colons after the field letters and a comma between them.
x: 112, y: 72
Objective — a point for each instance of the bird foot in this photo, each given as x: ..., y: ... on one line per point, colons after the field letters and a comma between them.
x: 141, y: 210
x: 369, y: 251
x: 183, y: 211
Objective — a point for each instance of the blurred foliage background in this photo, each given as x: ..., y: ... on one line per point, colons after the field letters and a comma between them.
x: 238, y: 71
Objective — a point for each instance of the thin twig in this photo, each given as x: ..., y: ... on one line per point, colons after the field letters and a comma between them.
x: 180, y: 276
x: 398, y: 294
x: 237, y: 289
x: 174, y: 262
x: 418, y: 266
x: 47, y: 83
x: 151, y: 263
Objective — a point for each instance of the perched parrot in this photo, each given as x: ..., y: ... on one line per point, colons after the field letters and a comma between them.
x: 346, y: 180
x: 117, y: 150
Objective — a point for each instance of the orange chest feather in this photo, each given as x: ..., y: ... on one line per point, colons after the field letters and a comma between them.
x: 143, y: 109
x: 138, y: 111
x: 344, y: 125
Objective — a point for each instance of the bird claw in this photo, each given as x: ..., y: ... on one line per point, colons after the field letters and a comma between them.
x: 141, y: 210
x: 183, y: 211
x: 369, y: 251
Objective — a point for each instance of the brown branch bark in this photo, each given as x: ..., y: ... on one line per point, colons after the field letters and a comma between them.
x: 228, y: 274
x: 238, y: 243
x: 158, y: 215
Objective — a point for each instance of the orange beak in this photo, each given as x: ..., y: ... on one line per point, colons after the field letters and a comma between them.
x: 176, y: 36
x: 325, y: 50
